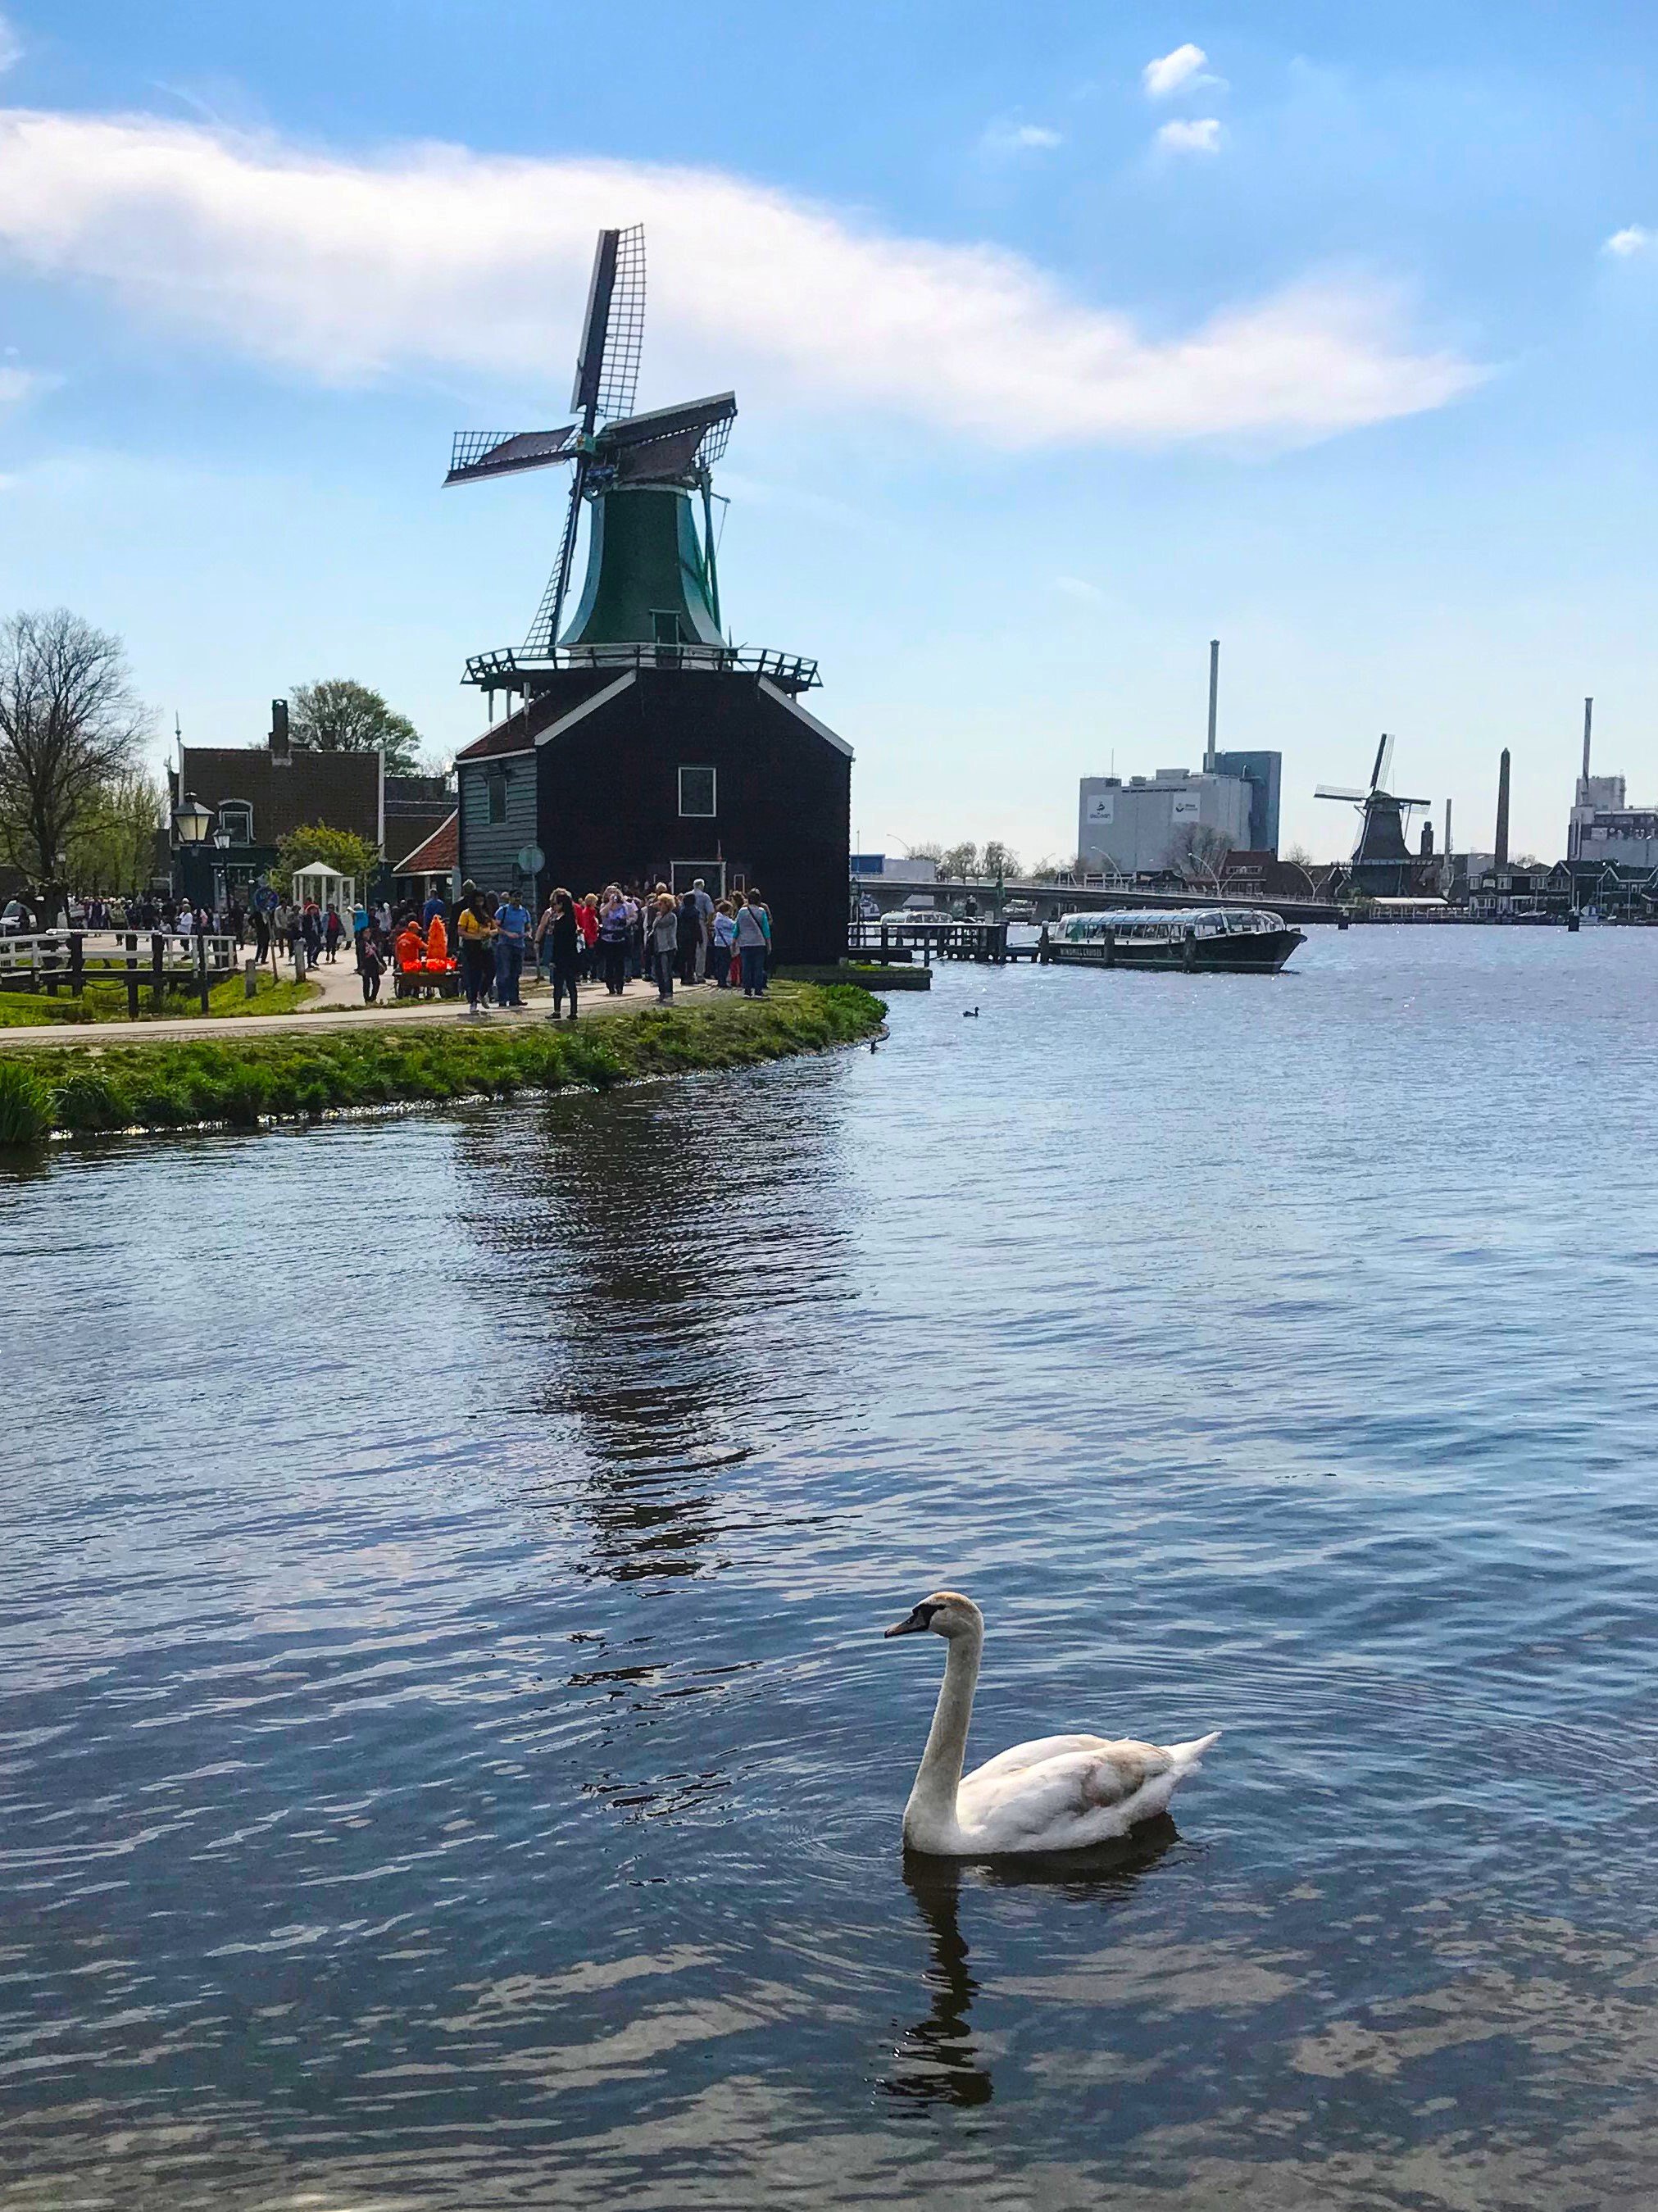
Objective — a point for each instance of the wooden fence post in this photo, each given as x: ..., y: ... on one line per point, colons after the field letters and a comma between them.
x: 77, y: 963
x: 201, y: 968
x: 157, y: 971
x: 132, y: 975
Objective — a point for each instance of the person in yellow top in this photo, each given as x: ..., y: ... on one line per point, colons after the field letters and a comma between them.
x: 477, y: 946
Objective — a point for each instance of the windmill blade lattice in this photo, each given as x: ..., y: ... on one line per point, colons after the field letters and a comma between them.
x: 624, y: 328
x: 544, y: 630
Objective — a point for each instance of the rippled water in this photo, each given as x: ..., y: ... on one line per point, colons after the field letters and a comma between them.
x: 450, y: 1759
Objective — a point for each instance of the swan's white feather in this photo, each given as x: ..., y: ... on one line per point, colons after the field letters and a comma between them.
x: 1019, y: 1755
x: 1056, y: 1793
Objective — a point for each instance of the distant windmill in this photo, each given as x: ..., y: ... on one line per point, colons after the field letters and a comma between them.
x: 1381, y: 814
x: 610, y: 448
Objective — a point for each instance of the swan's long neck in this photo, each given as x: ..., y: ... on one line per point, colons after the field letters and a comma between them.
x: 932, y: 1799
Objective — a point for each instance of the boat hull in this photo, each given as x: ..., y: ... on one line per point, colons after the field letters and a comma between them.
x: 1262, y: 952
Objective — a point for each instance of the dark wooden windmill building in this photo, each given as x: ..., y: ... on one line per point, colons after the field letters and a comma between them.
x: 640, y: 744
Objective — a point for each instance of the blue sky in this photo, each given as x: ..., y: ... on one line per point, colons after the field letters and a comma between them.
x: 1064, y: 338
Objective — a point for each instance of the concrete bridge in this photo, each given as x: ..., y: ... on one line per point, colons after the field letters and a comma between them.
x: 1050, y: 901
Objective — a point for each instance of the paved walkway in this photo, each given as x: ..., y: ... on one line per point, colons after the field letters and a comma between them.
x: 340, y: 1008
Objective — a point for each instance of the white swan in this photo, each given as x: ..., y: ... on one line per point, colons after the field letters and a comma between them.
x: 1058, y: 1794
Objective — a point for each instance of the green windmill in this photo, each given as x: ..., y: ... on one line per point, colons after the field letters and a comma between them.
x: 651, y: 579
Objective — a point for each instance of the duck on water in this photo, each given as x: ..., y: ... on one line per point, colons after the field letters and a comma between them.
x: 1059, y: 1793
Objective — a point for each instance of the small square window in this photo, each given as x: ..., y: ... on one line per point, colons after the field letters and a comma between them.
x: 696, y: 792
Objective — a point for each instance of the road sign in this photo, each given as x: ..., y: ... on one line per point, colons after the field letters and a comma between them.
x: 531, y: 859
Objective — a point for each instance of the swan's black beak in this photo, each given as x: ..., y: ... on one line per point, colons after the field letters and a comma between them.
x: 914, y: 1624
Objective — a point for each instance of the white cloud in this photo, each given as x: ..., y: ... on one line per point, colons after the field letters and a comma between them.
x: 1074, y: 587
x: 1196, y: 137
x: 1632, y: 239
x: 11, y: 46
x: 1171, y: 71
x: 432, y: 258
x: 1020, y: 138
x: 19, y: 385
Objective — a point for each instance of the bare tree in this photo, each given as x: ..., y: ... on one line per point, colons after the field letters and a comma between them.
x: 959, y: 863
x: 71, y: 726
x: 998, y: 859
x: 1198, y: 852
x: 113, y: 845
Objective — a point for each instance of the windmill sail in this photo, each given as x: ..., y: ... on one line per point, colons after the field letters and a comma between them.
x: 613, y: 330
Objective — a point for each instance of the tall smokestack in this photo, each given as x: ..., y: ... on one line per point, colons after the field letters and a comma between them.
x: 1501, y: 853
x: 1214, y: 701
x: 1449, y: 846
x: 1589, y: 723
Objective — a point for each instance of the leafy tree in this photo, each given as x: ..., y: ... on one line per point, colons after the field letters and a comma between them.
x: 998, y: 859
x: 70, y: 727
x: 959, y: 863
x: 113, y: 846
x: 337, y: 848
x: 336, y: 715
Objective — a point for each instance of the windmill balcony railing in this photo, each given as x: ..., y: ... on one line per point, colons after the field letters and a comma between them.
x: 510, y: 671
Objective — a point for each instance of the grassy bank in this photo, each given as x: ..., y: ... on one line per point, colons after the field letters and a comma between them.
x: 873, y: 977
x: 108, y: 1002
x: 171, y: 1083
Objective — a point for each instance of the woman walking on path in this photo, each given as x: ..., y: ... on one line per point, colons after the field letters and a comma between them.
x: 664, y: 944
x: 544, y: 937
x: 565, y: 941
x: 333, y: 930
x: 476, y: 946
x: 752, y: 937
x: 371, y: 963
x: 724, y: 954
x: 586, y: 921
x: 613, y: 921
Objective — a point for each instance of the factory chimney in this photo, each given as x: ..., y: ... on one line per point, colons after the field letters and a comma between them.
x: 1447, y: 829
x: 1428, y: 839
x: 1502, y: 852
x: 1588, y: 723
x: 1214, y: 702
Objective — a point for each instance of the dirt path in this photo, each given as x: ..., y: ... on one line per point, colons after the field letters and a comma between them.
x: 340, y: 1007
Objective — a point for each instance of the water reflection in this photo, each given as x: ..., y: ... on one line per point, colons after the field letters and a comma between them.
x: 937, y: 2060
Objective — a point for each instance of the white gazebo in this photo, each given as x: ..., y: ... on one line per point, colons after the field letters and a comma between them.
x: 327, y: 886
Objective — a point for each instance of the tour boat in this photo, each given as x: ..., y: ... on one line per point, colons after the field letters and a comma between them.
x: 1205, y: 940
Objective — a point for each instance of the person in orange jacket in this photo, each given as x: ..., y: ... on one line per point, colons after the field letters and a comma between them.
x: 410, y: 948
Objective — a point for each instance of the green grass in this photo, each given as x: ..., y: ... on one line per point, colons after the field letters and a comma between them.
x: 893, y: 976
x: 170, y: 1082
x: 108, y: 1002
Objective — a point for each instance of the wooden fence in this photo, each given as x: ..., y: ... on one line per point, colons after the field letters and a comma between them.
x: 156, y: 960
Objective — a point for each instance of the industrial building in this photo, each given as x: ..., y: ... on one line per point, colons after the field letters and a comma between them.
x: 1263, y: 773
x: 1603, y: 826
x: 1139, y: 826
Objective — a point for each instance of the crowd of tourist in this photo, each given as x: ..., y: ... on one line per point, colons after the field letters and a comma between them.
x: 482, y: 941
